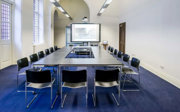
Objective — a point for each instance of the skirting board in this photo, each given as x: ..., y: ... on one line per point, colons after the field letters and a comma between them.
x: 169, y: 78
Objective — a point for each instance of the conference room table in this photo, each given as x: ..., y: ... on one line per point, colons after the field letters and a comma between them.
x: 58, y: 58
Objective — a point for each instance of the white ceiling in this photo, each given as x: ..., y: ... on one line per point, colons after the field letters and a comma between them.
x: 116, y: 9
x: 95, y: 6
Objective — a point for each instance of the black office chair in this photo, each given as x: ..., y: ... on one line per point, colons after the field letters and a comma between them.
x: 107, y: 79
x: 33, y: 58
x: 120, y: 54
x: 51, y: 49
x: 135, y: 63
x: 22, y: 64
x: 55, y: 48
x: 112, y: 49
x: 109, y: 48
x: 39, y: 80
x: 115, y: 52
x: 126, y: 58
x: 41, y: 54
x: 47, y: 52
x: 74, y: 79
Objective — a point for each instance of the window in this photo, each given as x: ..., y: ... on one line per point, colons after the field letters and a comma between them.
x: 5, y: 21
x: 36, y: 21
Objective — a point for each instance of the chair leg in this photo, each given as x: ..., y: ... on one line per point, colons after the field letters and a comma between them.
x: 119, y: 92
x: 124, y: 81
x: 28, y: 104
x: 115, y: 99
x: 87, y: 96
x: 26, y: 93
x: 139, y: 79
x: 51, y: 95
x: 94, y: 96
x: 17, y: 82
x: 64, y: 98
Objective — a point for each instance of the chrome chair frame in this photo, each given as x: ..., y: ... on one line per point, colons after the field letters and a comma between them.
x: 63, y: 98
x: 127, y: 76
x: 19, y: 73
x: 40, y: 86
x: 118, y: 85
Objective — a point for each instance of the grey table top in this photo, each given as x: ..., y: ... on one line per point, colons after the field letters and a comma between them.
x: 102, y: 58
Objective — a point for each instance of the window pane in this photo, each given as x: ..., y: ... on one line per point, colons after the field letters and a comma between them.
x: 5, y: 21
x: 36, y: 21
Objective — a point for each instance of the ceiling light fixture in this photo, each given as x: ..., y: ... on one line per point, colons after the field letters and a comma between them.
x: 67, y: 15
x: 61, y: 9
x: 57, y: 4
x: 105, y: 5
x: 108, y: 1
x: 52, y: 1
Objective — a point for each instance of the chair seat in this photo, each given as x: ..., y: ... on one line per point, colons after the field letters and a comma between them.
x: 127, y: 70
x: 74, y: 85
x: 50, y: 65
x: 40, y: 85
x: 106, y: 84
x: 114, y: 66
x: 22, y: 73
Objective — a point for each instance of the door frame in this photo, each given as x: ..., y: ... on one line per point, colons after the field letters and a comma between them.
x: 124, y: 43
x: 12, y: 30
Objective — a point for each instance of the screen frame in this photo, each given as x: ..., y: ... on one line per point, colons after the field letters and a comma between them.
x: 87, y: 23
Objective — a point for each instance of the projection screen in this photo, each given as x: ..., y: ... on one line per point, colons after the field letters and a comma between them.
x: 85, y: 32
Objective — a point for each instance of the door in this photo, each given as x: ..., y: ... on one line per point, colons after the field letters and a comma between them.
x: 122, y: 37
x: 6, y: 34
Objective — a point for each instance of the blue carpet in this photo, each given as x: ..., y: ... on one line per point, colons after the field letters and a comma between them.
x: 156, y: 95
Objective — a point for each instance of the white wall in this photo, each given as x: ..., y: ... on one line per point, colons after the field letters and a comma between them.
x: 27, y: 27
x: 23, y: 29
x: 152, y: 34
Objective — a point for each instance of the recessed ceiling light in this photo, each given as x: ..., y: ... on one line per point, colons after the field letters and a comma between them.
x: 67, y: 15
x: 102, y: 10
x: 108, y: 1
x: 57, y: 5
x: 61, y: 9
x: 52, y: 1
x: 105, y: 5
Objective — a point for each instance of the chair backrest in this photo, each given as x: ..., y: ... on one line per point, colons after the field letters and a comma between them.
x: 109, y: 48
x: 47, y: 51
x: 74, y: 76
x: 22, y: 63
x: 55, y: 48
x: 107, y: 75
x: 33, y: 58
x: 51, y: 50
x: 33, y: 76
x: 41, y: 54
x: 115, y: 52
x: 126, y: 57
x: 112, y: 49
x: 135, y: 62
x: 120, y: 54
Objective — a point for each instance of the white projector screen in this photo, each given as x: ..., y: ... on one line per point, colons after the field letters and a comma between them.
x: 85, y: 32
